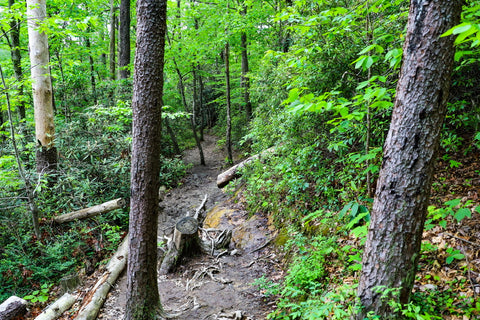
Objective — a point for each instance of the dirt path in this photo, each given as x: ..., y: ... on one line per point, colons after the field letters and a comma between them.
x: 207, y: 287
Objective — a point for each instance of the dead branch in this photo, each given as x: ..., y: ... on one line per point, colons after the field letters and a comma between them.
x: 92, y: 211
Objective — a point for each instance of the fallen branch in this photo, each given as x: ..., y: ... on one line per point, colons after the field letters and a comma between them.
x: 56, y: 309
x: 234, y: 172
x: 96, y: 297
x: 13, y: 307
x: 92, y: 211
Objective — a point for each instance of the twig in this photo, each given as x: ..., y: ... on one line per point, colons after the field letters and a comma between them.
x: 469, y: 242
x: 262, y: 246
x: 468, y: 271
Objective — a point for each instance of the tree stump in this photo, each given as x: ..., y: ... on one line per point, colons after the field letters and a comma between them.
x: 13, y: 307
x: 185, y: 240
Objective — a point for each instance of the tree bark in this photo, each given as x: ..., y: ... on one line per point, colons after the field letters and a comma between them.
x: 91, y: 212
x: 92, y: 70
x: 245, y: 80
x: 229, y: 117
x: 124, y: 35
x: 176, y: 148
x: 143, y: 301
x: 113, y: 41
x: 13, y: 307
x: 399, y: 210
x: 42, y: 88
x: 17, y: 61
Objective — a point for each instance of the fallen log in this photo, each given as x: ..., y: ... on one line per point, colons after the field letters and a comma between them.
x: 94, y: 300
x: 56, y: 309
x: 92, y: 211
x: 13, y: 307
x: 234, y: 172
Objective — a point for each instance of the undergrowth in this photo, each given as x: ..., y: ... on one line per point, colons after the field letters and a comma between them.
x: 94, y: 167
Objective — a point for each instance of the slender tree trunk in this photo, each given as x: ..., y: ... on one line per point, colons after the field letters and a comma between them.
x: 42, y: 88
x: 17, y: 61
x: 245, y: 80
x: 192, y: 124
x: 113, y: 41
x: 399, y: 210
x: 28, y: 186
x: 176, y: 148
x: 143, y: 301
x: 202, y: 106
x: 229, y: 118
x: 124, y: 35
x: 65, y: 106
x: 103, y: 57
x: 92, y: 71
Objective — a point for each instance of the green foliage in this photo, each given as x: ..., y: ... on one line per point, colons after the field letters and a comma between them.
x: 452, y: 209
x: 39, y: 295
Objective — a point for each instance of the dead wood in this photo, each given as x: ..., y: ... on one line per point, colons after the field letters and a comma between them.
x: 92, y: 211
x: 56, y: 309
x: 235, y: 172
x: 94, y: 300
x: 13, y: 307
x: 185, y: 239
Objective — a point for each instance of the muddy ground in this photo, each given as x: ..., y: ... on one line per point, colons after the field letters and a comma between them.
x: 208, y: 287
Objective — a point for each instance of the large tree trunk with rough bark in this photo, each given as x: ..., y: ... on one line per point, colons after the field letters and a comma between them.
x: 399, y: 210
x: 143, y: 301
x: 42, y: 88
x: 124, y: 35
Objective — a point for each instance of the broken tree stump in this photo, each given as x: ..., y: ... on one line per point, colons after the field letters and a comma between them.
x: 92, y: 211
x: 13, y: 307
x: 185, y: 239
x: 234, y: 172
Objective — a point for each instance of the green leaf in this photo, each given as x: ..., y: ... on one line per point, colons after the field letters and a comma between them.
x: 453, y: 203
x: 462, y: 213
x: 42, y: 298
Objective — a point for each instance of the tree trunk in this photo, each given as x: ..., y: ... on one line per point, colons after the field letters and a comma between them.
x: 112, y: 46
x: 13, y: 307
x: 42, y: 88
x: 91, y: 212
x: 124, y: 35
x: 17, y: 61
x: 92, y: 70
x: 143, y: 301
x: 229, y: 117
x: 176, y: 148
x: 202, y: 109
x: 245, y: 80
x: 192, y: 124
x: 395, y: 233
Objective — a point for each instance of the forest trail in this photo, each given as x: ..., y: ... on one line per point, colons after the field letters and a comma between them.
x: 207, y: 287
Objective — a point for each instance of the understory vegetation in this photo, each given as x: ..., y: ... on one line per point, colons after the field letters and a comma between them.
x: 321, y: 82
